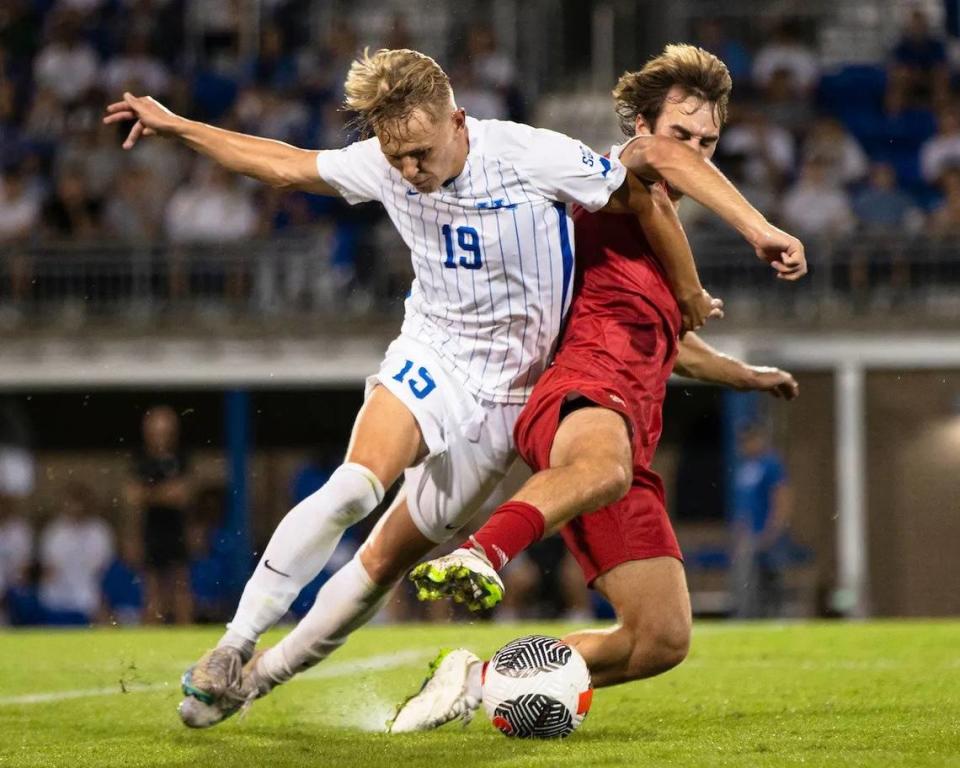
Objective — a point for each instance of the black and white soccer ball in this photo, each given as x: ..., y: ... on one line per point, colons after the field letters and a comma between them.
x: 536, y: 687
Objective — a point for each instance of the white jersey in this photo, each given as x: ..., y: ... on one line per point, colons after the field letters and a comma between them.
x: 492, y: 249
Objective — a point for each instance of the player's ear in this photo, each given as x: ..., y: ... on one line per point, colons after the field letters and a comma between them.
x: 459, y: 118
x: 642, y: 127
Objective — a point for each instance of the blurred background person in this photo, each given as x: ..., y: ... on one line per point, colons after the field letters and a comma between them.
x: 75, y: 550
x: 942, y: 151
x: 945, y: 218
x: 817, y: 205
x: 761, y: 518
x: 160, y: 491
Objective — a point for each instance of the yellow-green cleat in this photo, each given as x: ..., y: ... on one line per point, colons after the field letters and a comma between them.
x: 464, y: 575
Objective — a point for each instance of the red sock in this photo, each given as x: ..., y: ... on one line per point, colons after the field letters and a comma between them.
x: 512, y: 528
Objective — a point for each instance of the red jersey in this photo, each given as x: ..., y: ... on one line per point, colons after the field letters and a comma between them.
x: 619, y: 281
x: 617, y: 351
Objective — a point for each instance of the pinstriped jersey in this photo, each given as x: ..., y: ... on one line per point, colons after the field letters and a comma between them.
x: 492, y: 249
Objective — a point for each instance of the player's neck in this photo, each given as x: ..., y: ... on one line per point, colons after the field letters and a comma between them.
x: 462, y: 160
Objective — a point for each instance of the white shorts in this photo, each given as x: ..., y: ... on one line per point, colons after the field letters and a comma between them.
x: 469, y: 441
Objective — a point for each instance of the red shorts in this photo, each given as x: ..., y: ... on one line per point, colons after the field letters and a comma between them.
x: 637, y: 526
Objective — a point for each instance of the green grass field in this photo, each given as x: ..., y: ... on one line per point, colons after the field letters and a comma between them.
x: 878, y: 694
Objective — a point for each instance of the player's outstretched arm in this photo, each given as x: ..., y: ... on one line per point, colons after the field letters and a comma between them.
x: 658, y: 217
x: 269, y: 161
x: 660, y: 158
x: 698, y: 360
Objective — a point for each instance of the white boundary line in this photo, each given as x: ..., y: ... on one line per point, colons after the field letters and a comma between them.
x: 381, y: 662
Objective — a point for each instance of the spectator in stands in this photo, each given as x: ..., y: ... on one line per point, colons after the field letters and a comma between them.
x: 218, y: 24
x: 491, y: 71
x: 265, y: 112
x: 214, y: 207
x: 712, y: 36
x: 46, y: 119
x: 134, y: 209
x: 16, y: 549
x: 883, y: 208
x: 768, y: 148
x: 17, y: 477
x: 92, y: 151
x: 879, y: 268
x: 761, y: 519
x: 76, y: 547
x: 943, y: 150
x: 19, y: 208
x: 478, y: 98
x: 945, y: 219
x: 274, y: 67
x: 67, y: 66
x: 817, y: 205
x: 71, y: 212
x: 786, y: 103
x: 160, y: 490
x: 828, y: 139
x: 787, y: 52
x: 136, y: 69
x: 920, y: 60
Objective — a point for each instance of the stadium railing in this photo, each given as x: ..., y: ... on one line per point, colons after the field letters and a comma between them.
x: 901, y: 279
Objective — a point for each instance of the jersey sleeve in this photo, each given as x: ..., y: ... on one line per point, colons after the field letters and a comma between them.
x: 568, y: 171
x: 356, y: 171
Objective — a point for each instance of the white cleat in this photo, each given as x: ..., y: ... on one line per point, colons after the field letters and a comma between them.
x: 444, y: 697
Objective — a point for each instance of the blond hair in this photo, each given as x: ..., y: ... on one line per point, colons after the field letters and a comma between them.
x: 384, y: 89
x: 693, y: 70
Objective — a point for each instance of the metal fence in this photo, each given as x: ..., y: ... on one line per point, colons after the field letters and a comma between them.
x: 875, y: 279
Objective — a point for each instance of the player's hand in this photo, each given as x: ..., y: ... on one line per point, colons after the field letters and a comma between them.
x: 778, y: 383
x: 781, y: 251
x: 697, y: 308
x: 150, y: 116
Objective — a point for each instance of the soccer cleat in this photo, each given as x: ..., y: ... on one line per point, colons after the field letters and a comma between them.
x: 465, y: 575
x: 217, y: 686
x: 444, y: 696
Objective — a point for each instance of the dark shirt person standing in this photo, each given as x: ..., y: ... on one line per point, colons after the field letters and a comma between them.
x: 161, y: 490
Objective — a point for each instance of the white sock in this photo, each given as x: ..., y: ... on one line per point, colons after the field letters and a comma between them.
x: 344, y: 604
x: 299, y: 548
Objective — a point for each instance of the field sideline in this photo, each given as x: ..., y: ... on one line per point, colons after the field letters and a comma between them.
x: 831, y: 694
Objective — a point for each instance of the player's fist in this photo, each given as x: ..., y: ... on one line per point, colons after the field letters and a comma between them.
x: 778, y: 383
x: 698, y: 307
x: 781, y: 251
x: 150, y: 115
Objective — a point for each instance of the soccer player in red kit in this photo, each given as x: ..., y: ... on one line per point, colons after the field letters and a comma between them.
x: 591, y: 426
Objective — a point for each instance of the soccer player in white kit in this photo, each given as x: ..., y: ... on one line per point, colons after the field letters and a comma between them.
x: 484, y: 208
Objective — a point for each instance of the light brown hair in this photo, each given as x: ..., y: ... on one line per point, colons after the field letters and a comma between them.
x: 385, y: 88
x: 695, y: 71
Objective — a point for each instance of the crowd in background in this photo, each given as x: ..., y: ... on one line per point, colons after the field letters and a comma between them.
x: 159, y: 549
x: 65, y: 177
x: 863, y: 148
x: 874, y: 148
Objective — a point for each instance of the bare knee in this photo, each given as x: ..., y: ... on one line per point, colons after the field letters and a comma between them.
x: 657, y: 649
x: 609, y: 478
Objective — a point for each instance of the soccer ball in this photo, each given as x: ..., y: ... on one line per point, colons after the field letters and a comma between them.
x: 536, y: 687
